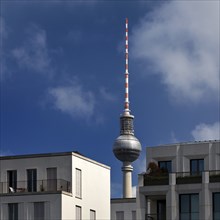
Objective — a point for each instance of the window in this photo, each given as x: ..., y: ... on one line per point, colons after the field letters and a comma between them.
x: 13, y: 211
x: 196, y: 166
x: 133, y: 215
x: 32, y: 180
x: 189, y: 207
x: 165, y: 165
x: 78, y: 183
x: 161, y: 209
x: 120, y: 215
x: 39, y: 211
x: 78, y: 213
x: 12, y: 179
x: 216, y: 206
x: 92, y: 214
x: 52, y: 179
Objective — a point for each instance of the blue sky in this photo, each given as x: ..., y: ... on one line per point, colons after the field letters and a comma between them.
x: 62, y: 75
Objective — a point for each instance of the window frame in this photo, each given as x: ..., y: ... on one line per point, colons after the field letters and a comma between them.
x: 78, y: 183
x: 189, y: 205
x: 213, y: 205
x: 13, y: 211
x: 166, y: 167
x: 77, y: 207
x: 198, y: 171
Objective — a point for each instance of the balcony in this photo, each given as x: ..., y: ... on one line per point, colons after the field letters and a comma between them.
x: 188, y: 178
x: 150, y: 180
x: 180, y: 178
x: 214, y: 176
x: 53, y: 185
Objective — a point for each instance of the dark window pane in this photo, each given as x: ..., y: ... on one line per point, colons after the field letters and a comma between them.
x: 32, y: 180
x: 184, y: 216
x: 184, y: 203
x: 201, y: 165
x: 216, y: 201
x: 38, y: 211
x: 166, y: 165
x: 194, y: 203
x: 13, y: 211
x: 169, y: 166
x: 194, y: 216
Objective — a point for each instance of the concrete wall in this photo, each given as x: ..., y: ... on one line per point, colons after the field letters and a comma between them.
x: 125, y: 205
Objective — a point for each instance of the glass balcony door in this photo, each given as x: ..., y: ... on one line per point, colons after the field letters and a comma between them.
x: 12, y: 180
x: 161, y: 209
x: 32, y: 180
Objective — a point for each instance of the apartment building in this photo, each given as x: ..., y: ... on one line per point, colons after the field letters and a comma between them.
x: 53, y: 186
x: 182, y: 182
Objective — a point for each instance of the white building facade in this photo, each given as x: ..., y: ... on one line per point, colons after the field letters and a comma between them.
x: 123, y: 208
x: 182, y: 184
x: 53, y: 186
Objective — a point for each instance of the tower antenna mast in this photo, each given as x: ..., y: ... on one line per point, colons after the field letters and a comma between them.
x: 126, y: 106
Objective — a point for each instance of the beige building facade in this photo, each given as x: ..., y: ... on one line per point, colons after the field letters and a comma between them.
x: 184, y: 184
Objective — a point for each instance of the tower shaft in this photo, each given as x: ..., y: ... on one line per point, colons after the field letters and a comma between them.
x: 127, y: 179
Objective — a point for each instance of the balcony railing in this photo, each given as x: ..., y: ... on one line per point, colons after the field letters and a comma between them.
x: 52, y: 185
x: 188, y: 177
x: 214, y: 176
x: 150, y: 180
x: 180, y: 178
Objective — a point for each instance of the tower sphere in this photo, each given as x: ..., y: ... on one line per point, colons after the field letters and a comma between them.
x: 127, y: 148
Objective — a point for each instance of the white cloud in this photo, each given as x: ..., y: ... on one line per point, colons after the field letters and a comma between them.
x: 180, y: 41
x: 140, y: 163
x: 73, y: 100
x: 106, y: 94
x: 206, y: 132
x: 33, y: 54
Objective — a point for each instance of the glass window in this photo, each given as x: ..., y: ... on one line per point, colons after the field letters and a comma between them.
x: 78, y: 183
x: 120, y: 215
x: 196, y: 166
x: 216, y: 206
x: 92, y: 214
x: 13, y: 211
x: 12, y: 180
x: 32, y: 180
x: 39, y: 211
x: 189, y: 207
x: 78, y: 213
x: 134, y: 215
x: 166, y: 165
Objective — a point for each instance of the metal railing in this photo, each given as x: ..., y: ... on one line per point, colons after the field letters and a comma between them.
x: 51, y: 185
x: 214, y: 176
x: 150, y: 180
x: 188, y: 177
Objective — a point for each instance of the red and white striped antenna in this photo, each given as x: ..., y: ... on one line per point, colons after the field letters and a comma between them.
x: 126, y: 106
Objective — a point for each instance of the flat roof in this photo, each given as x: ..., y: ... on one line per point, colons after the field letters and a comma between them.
x: 56, y: 154
x: 188, y: 143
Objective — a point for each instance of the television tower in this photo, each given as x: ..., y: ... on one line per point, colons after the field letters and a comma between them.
x: 126, y: 147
